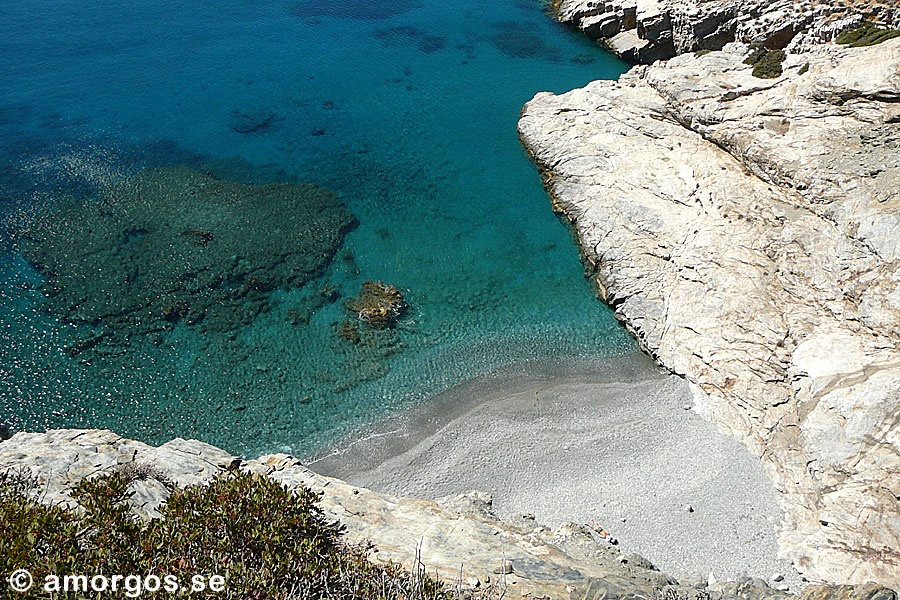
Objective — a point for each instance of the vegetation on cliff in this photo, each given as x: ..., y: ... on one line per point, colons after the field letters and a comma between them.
x: 766, y: 63
x: 867, y: 34
x: 266, y: 542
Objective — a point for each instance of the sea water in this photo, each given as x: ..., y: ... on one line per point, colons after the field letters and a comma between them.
x: 406, y: 108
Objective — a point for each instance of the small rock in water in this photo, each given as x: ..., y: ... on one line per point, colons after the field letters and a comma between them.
x: 503, y: 568
x: 379, y: 304
x: 777, y: 577
x: 688, y: 508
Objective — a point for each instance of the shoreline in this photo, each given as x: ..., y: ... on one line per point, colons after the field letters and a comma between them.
x: 610, y: 441
x: 429, y: 416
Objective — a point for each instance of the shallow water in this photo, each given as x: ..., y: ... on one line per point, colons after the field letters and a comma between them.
x: 405, y: 108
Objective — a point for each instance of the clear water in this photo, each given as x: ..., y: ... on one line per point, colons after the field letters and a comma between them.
x: 406, y: 108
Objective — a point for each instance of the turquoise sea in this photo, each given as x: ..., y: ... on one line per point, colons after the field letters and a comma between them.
x: 406, y: 109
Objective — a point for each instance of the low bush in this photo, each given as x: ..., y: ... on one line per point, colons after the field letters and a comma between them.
x: 766, y: 63
x: 266, y: 541
x: 867, y: 34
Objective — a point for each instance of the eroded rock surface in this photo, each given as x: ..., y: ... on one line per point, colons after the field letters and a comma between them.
x: 643, y: 31
x: 747, y: 232
x: 458, y: 537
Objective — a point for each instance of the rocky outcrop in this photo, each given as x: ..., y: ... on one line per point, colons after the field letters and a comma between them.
x: 643, y: 31
x: 459, y: 538
x: 747, y: 232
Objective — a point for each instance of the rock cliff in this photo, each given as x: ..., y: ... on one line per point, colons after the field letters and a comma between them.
x: 642, y: 31
x: 747, y: 232
x: 458, y: 538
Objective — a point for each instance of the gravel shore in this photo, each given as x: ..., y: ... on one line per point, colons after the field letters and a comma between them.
x: 612, y: 443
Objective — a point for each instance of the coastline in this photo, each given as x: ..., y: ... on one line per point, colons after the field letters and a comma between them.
x: 611, y: 442
x: 752, y: 254
x: 397, y: 433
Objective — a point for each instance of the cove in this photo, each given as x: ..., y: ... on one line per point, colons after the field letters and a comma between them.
x: 406, y: 109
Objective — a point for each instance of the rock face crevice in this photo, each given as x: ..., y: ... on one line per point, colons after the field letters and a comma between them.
x: 747, y: 232
x: 643, y: 31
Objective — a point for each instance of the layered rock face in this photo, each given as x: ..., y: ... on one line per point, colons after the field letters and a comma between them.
x: 643, y: 31
x: 747, y: 232
x: 458, y: 538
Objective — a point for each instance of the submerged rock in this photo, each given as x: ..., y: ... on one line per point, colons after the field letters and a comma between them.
x: 518, y: 40
x: 175, y: 245
x: 353, y: 9
x: 404, y: 34
x: 747, y: 232
x: 254, y: 122
x: 348, y: 331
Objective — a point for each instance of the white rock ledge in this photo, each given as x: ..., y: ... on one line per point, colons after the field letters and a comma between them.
x: 747, y: 232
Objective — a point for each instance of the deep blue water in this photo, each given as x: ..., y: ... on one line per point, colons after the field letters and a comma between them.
x: 406, y: 108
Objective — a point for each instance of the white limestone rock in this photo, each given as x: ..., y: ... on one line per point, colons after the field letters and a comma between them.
x: 643, y: 31
x: 747, y: 232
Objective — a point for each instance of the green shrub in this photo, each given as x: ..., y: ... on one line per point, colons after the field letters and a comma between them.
x: 266, y: 541
x: 702, y: 52
x: 766, y: 63
x: 803, y: 69
x: 867, y: 34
